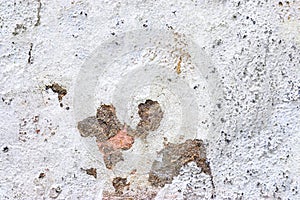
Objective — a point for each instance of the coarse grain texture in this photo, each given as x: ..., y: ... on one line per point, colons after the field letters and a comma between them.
x: 250, y: 127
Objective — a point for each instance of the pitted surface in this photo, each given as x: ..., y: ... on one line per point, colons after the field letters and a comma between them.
x: 251, y: 134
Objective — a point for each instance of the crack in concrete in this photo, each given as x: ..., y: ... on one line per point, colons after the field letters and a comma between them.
x: 38, y: 21
x: 30, y: 61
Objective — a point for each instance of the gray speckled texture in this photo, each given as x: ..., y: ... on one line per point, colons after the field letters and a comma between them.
x: 253, y: 141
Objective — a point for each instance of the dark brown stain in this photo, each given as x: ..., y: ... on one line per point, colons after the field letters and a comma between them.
x: 42, y: 175
x: 151, y: 115
x: 108, y: 121
x: 92, y: 172
x: 120, y: 184
x: 56, y: 88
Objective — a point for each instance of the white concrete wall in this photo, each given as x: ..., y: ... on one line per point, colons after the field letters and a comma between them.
x: 248, y: 91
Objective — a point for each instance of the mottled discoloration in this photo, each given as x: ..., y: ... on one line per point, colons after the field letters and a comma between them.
x: 111, y: 148
x: 253, y: 73
x: 111, y: 158
x: 151, y: 115
x: 174, y: 156
x: 108, y: 121
x: 112, y: 136
x: 120, y: 184
x: 121, y: 141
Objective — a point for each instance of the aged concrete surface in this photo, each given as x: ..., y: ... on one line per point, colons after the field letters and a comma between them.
x: 237, y: 88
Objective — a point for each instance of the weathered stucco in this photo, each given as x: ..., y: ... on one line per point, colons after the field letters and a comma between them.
x: 224, y: 72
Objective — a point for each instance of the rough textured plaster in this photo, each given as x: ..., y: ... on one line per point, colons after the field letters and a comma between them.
x: 253, y: 139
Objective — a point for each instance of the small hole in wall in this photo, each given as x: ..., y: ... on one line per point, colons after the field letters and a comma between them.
x: 5, y: 149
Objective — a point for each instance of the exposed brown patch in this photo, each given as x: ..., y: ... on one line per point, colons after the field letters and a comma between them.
x: 56, y: 88
x: 111, y: 148
x: 107, y: 118
x: 122, y: 140
x: 151, y: 115
x: 104, y: 126
x: 174, y: 156
x: 111, y: 135
x: 92, y: 172
x: 120, y: 184
x: 90, y: 127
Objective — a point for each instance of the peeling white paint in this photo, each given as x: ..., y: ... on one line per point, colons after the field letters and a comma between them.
x: 252, y: 128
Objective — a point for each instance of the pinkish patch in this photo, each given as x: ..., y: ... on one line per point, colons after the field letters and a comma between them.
x: 122, y: 140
